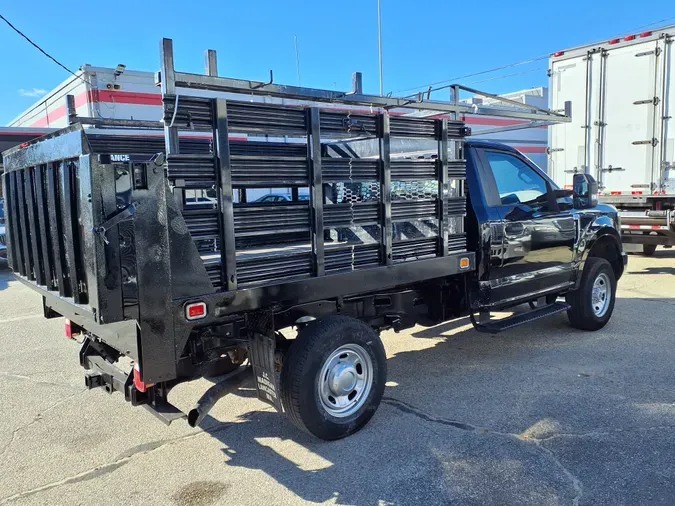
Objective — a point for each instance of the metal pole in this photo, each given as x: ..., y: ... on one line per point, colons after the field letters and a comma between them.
x: 379, y: 42
x: 297, y: 59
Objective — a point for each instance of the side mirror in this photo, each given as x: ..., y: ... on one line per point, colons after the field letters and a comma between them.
x: 585, y: 191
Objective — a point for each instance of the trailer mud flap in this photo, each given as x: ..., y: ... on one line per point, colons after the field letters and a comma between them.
x: 261, y: 352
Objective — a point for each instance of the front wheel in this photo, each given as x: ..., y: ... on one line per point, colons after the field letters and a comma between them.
x: 593, y: 303
x: 333, y: 377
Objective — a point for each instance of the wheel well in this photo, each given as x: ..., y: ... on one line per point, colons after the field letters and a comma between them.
x: 606, y: 247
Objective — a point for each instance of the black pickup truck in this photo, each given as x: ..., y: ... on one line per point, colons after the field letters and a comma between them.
x: 169, y: 274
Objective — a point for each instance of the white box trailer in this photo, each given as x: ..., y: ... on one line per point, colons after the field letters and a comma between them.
x: 622, y: 132
x: 531, y: 141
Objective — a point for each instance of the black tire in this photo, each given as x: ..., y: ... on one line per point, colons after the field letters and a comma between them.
x: 648, y: 249
x: 302, y: 366
x: 581, y: 314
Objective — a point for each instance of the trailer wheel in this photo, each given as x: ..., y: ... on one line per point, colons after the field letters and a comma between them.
x: 593, y: 303
x: 648, y: 249
x: 333, y: 377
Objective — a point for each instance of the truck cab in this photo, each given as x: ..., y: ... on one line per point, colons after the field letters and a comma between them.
x: 539, y: 239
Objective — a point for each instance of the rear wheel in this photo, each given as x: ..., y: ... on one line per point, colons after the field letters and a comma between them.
x: 333, y: 377
x: 593, y: 303
x: 648, y: 249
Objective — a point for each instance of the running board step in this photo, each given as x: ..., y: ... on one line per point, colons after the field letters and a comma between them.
x: 497, y: 326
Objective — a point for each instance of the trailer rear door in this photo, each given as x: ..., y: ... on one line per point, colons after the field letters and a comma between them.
x: 631, y: 106
x: 572, y: 80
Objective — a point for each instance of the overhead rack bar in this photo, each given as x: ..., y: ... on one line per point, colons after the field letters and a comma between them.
x: 172, y: 81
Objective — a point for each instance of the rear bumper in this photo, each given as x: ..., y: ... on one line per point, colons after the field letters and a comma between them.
x: 103, y: 373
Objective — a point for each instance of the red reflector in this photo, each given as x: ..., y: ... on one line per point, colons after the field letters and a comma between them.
x: 195, y: 311
x: 633, y: 226
x: 636, y: 193
x: 629, y: 37
x: 615, y: 193
x: 138, y: 383
x: 69, y: 329
x: 645, y: 34
x: 614, y: 41
x: 24, y: 145
x: 559, y: 53
x: 656, y: 227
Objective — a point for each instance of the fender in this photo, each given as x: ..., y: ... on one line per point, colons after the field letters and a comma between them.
x: 592, y: 228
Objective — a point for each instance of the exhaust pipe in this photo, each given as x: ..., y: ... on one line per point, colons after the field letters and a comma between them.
x: 223, y: 386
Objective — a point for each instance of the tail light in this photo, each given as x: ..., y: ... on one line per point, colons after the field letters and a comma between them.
x: 72, y: 330
x: 195, y: 311
x: 138, y: 383
x: 559, y: 53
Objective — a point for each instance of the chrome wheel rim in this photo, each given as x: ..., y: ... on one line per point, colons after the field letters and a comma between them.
x: 601, y: 295
x: 345, y: 380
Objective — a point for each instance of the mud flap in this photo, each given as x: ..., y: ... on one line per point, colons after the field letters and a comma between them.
x: 261, y: 351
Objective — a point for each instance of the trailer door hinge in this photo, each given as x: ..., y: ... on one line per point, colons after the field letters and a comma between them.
x: 600, y: 123
x: 124, y: 215
x: 611, y: 169
x: 553, y: 150
x: 654, y: 141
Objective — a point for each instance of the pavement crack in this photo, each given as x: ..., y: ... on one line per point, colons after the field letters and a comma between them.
x: 104, y: 469
x: 576, y: 483
x: 593, y: 433
x: 35, y: 419
x: 412, y: 410
x: 23, y: 377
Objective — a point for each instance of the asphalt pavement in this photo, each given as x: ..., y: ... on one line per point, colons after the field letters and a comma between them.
x: 543, y: 414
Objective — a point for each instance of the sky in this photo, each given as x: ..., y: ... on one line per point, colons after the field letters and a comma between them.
x: 424, y: 41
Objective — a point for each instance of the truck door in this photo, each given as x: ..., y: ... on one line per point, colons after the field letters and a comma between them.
x: 631, y: 110
x: 538, y: 243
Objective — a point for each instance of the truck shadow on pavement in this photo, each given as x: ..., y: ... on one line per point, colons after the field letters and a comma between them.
x: 475, y: 419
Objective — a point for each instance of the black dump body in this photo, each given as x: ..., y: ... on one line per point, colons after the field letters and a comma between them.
x: 120, y: 248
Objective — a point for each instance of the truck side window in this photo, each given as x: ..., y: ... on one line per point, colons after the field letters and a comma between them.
x: 516, y: 181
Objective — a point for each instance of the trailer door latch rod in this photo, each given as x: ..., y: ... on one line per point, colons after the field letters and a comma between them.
x: 124, y: 215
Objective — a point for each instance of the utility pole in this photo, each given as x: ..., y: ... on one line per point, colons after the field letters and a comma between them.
x: 379, y: 42
x: 297, y: 59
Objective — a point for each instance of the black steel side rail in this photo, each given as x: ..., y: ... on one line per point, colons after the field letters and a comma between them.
x: 443, y: 188
x: 316, y: 189
x: 353, y: 283
x: 226, y: 196
x: 385, y: 187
